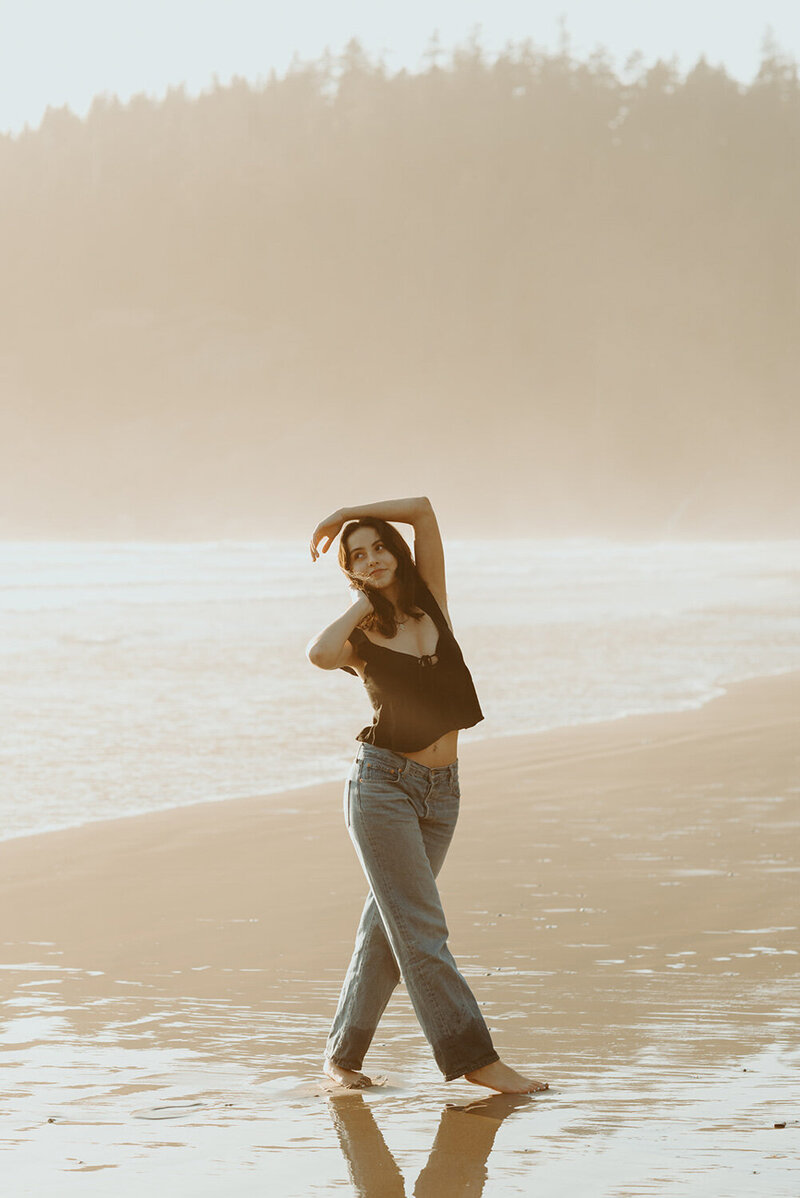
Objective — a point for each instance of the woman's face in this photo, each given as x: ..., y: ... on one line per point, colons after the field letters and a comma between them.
x: 370, y: 558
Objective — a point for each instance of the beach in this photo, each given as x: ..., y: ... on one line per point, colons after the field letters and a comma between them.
x: 621, y: 895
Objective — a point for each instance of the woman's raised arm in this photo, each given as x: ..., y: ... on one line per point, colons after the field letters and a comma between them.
x: 428, y: 549
x: 330, y: 649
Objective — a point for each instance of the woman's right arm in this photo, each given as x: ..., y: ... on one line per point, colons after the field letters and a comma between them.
x: 332, y: 649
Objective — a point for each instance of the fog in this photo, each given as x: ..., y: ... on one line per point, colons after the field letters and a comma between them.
x: 557, y: 302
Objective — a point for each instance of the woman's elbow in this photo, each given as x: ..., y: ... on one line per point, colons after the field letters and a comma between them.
x: 318, y: 657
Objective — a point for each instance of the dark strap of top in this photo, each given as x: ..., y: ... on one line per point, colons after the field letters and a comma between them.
x: 360, y: 642
x: 429, y: 605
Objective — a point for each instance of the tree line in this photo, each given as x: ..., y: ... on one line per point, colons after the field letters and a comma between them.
x: 584, y: 284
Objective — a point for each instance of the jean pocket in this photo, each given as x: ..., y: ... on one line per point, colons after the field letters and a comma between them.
x: 348, y: 788
x: 372, y: 770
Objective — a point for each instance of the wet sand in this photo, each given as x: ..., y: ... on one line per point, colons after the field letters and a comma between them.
x: 623, y: 898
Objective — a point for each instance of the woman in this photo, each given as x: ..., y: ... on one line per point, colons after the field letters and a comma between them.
x: 402, y: 794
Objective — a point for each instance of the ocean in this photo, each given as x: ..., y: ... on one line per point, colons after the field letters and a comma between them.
x: 136, y: 677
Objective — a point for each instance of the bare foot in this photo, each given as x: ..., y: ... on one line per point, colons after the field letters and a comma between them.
x: 351, y: 1079
x: 498, y: 1076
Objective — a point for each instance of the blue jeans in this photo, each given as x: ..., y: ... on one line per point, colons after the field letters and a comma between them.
x: 401, y: 816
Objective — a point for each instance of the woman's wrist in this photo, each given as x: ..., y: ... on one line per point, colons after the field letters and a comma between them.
x: 361, y: 603
x: 406, y: 511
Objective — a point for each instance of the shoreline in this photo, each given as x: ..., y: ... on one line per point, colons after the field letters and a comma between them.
x: 721, y: 689
x: 147, y: 853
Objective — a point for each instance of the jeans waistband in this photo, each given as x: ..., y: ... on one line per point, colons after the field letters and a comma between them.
x: 406, y: 765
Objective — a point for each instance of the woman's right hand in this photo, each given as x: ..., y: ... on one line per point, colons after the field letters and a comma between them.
x: 327, y: 529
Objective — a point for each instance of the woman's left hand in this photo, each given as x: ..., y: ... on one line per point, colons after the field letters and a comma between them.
x: 329, y: 527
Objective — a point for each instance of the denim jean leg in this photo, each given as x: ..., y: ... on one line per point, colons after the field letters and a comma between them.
x: 371, y: 978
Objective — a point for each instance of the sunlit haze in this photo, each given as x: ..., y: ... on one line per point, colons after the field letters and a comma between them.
x: 247, y: 281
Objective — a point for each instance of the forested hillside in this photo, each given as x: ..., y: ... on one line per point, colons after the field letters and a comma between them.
x: 556, y: 300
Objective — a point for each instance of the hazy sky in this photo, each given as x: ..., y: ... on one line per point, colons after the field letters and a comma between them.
x: 65, y: 51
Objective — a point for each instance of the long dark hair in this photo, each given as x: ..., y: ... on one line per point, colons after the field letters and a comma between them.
x: 408, y: 579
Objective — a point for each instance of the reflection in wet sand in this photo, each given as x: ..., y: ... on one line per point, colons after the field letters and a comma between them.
x: 457, y: 1162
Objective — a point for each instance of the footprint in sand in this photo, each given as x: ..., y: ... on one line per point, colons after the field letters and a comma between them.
x: 329, y: 1086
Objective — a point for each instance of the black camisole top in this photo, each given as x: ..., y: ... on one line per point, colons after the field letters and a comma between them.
x: 416, y: 699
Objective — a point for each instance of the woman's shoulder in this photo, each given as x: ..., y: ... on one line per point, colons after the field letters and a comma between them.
x: 359, y: 651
